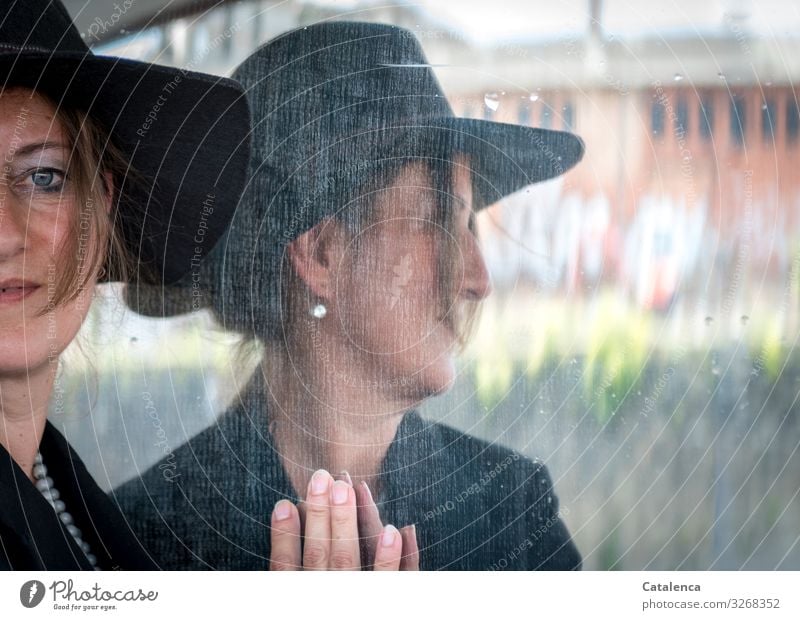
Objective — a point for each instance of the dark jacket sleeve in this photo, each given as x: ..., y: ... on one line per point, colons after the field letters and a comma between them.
x: 550, y: 545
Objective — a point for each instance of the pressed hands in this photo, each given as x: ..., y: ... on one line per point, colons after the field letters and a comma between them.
x: 338, y: 527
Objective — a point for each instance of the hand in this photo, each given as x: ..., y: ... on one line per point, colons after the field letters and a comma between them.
x: 370, y: 528
x: 331, y: 532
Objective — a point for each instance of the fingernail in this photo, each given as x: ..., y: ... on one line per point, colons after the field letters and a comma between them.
x: 340, y: 492
x: 283, y: 510
x: 408, y: 533
x: 365, y: 486
x: 388, y: 536
x: 344, y: 477
x: 319, y: 482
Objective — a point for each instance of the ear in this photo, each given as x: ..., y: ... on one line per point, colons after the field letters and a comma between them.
x: 315, y: 256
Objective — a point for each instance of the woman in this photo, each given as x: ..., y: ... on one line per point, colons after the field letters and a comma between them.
x: 354, y: 262
x: 73, y: 129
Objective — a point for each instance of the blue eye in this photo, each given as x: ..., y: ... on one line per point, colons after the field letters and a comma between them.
x: 42, y: 178
x: 45, y: 179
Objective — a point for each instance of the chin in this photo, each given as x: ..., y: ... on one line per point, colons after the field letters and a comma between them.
x: 436, y: 378
x: 42, y: 347
x: 19, y: 361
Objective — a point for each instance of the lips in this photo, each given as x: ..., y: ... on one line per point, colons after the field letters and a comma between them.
x: 14, y: 290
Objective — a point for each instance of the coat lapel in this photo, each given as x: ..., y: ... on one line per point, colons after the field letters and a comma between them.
x: 36, y: 537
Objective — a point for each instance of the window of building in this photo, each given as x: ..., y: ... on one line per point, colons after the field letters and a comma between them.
x: 569, y: 116
x: 682, y: 116
x: 657, y: 118
x: 768, y: 120
x: 547, y: 117
x: 792, y: 120
x: 523, y: 115
x: 738, y: 119
x: 706, y: 117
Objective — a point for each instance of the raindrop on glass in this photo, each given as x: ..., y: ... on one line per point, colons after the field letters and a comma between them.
x: 744, y: 319
x: 714, y: 364
x: 491, y: 101
x: 677, y: 77
x: 709, y: 320
x: 721, y: 76
x: 534, y: 97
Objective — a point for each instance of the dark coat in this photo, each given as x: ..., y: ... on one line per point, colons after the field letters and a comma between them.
x: 476, y: 506
x: 32, y: 536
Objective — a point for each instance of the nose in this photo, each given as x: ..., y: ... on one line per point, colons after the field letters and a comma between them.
x: 477, y: 284
x: 12, y: 225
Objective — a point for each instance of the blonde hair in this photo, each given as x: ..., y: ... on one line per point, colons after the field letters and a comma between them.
x: 95, y: 246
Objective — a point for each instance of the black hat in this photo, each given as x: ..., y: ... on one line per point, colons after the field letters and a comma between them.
x: 185, y: 134
x: 334, y: 102
x: 331, y: 99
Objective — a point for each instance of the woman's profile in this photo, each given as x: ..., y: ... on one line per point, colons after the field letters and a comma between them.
x: 93, y: 187
x: 353, y: 261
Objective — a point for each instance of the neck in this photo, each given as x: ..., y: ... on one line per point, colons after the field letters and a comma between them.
x: 24, y: 398
x: 326, y: 414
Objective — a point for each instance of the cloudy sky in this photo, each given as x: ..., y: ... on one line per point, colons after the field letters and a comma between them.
x: 485, y: 20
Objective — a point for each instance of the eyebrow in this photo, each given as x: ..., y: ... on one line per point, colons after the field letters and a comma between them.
x: 35, y: 147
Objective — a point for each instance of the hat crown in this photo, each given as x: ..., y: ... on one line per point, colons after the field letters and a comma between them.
x: 344, y: 77
x: 38, y: 25
x: 328, y: 102
x: 325, y: 100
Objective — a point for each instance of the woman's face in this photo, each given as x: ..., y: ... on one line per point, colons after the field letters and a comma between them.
x: 387, y: 294
x: 37, y: 209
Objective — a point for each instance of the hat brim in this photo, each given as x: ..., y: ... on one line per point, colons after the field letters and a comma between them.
x: 185, y: 134
x: 506, y: 158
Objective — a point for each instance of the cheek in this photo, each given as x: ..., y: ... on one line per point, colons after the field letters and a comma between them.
x: 398, y: 281
x: 388, y: 292
x: 64, y: 256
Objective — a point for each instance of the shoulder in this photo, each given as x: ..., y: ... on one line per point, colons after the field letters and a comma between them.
x: 516, y: 496
x: 503, y: 481
x: 488, y: 461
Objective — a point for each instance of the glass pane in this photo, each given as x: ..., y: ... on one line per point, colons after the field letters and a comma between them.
x: 639, y: 338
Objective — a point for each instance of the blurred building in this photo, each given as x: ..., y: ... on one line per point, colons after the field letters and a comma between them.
x: 692, y: 138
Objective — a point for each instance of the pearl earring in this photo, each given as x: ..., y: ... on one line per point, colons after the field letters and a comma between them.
x: 319, y: 311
